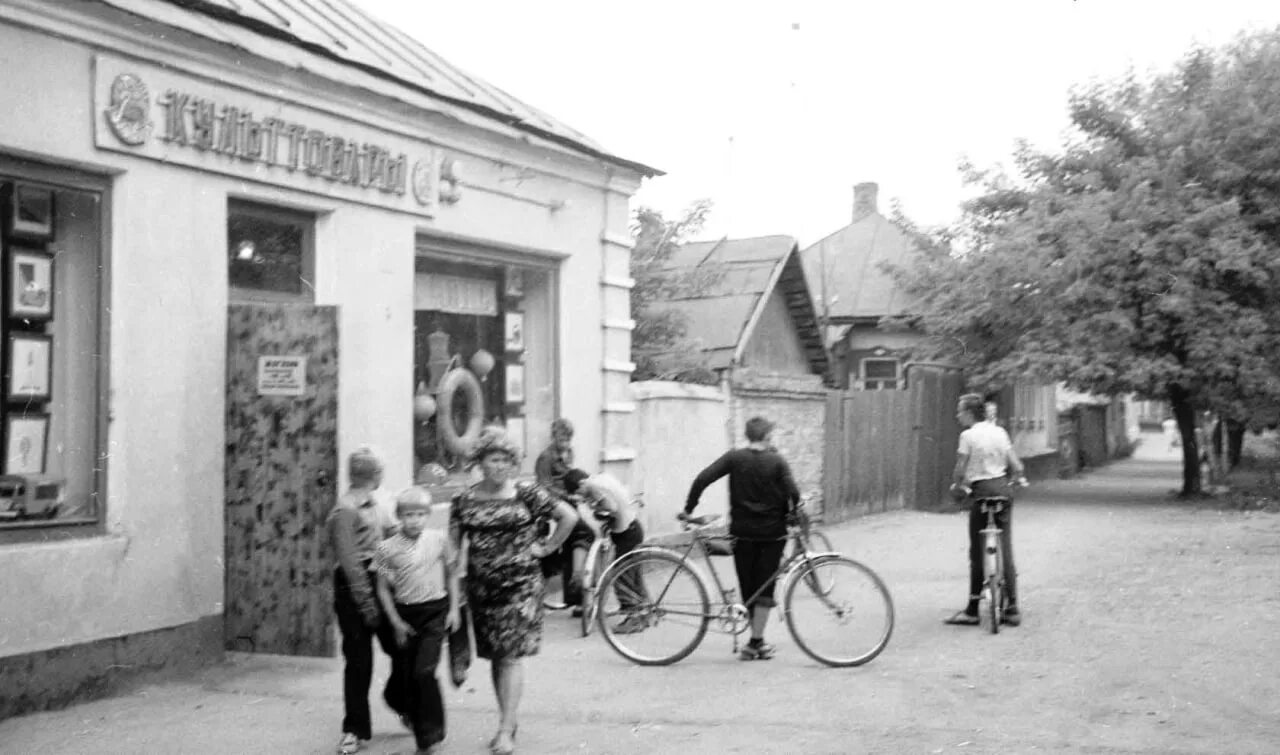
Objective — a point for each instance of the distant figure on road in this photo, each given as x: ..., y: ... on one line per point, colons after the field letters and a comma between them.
x: 1170, y: 428
x: 762, y: 493
x: 984, y: 460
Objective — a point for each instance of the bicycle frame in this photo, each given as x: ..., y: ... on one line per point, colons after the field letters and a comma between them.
x: 733, y: 616
x: 992, y: 566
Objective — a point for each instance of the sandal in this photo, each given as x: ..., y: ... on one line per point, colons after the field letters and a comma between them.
x: 498, y: 747
x: 960, y: 618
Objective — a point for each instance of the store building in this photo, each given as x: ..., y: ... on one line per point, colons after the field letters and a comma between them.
x: 240, y: 241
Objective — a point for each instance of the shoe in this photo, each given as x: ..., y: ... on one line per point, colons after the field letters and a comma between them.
x: 576, y: 612
x: 963, y: 618
x: 1011, y: 616
x: 630, y: 625
x: 350, y: 744
x: 761, y: 652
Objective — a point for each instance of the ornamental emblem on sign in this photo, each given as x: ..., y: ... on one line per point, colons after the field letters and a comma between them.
x: 424, y: 181
x: 128, y: 112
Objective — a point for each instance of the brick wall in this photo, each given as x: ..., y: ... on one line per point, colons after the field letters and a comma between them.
x: 796, y: 404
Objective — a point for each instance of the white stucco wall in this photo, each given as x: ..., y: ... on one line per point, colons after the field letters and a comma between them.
x: 159, y: 561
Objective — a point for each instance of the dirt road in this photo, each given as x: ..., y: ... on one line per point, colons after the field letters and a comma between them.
x: 1150, y: 627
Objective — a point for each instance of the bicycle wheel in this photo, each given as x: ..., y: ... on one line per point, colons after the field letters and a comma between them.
x: 820, y: 543
x: 653, y: 607
x: 598, y: 559
x: 846, y: 625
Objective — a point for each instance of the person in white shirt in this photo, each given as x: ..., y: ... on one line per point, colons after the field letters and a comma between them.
x: 985, y: 460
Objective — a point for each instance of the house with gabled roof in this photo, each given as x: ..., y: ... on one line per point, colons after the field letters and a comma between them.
x: 754, y: 325
x: 855, y: 294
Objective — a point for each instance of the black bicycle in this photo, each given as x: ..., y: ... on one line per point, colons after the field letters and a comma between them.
x: 655, y: 605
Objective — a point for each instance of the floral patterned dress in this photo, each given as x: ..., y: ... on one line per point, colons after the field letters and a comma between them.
x: 504, y: 579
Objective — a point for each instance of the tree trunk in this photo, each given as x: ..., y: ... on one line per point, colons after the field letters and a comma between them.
x: 1185, y: 414
x: 1235, y: 443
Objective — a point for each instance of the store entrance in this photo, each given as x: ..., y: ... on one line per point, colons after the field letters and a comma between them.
x: 281, y: 477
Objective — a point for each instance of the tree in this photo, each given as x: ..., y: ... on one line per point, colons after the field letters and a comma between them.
x: 659, y: 347
x: 1144, y: 258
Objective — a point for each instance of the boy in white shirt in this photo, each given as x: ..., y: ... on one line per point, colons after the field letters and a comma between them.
x: 418, y: 589
x: 985, y: 460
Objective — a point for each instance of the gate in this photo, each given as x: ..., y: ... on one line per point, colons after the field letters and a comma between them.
x: 888, y: 450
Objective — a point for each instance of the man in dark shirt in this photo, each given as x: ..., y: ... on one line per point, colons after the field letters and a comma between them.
x: 762, y: 493
x: 551, y: 467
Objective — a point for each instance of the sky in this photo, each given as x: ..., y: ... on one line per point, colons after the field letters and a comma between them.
x: 774, y: 110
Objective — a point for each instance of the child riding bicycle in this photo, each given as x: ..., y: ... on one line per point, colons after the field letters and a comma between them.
x: 985, y: 459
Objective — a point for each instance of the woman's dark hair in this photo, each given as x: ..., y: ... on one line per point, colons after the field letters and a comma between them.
x: 758, y: 428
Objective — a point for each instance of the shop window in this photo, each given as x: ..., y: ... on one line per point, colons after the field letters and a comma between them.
x: 482, y: 355
x: 52, y: 342
x: 269, y: 253
x: 880, y: 374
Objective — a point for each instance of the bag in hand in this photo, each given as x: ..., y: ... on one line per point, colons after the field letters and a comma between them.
x: 460, y: 648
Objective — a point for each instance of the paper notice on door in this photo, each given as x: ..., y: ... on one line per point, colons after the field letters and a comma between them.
x: 282, y: 376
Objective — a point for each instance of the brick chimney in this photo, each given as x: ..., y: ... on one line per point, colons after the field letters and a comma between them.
x: 864, y: 200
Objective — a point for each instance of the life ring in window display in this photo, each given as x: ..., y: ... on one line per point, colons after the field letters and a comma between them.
x: 459, y: 379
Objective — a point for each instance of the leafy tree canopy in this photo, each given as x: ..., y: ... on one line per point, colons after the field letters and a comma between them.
x: 659, y: 346
x: 1143, y: 258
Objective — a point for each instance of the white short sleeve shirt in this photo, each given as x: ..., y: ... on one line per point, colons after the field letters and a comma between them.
x: 988, y: 447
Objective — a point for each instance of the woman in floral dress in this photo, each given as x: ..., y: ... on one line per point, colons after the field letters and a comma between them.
x: 499, y: 526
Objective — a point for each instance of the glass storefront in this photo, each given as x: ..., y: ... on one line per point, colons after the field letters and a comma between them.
x: 52, y: 334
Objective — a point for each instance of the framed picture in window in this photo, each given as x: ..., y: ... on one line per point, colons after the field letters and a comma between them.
x: 31, y: 212
x: 30, y: 292
x: 515, y: 383
x: 26, y: 439
x: 30, y: 371
x: 513, y: 328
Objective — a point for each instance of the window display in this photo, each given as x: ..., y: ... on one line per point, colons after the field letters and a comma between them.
x: 52, y: 468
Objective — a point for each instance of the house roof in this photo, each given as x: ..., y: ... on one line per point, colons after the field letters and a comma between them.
x: 340, y: 31
x: 723, y: 316
x: 844, y: 270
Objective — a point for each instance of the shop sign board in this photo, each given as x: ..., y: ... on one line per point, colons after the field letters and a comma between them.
x: 282, y: 376
x: 182, y: 119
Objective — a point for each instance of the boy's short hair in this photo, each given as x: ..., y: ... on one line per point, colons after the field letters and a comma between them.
x: 363, y: 465
x: 562, y: 426
x: 975, y: 405
x: 758, y: 428
x: 572, y: 480
x: 414, y: 498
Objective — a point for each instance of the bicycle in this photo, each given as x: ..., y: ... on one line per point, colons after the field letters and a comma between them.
x: 837, y: 610
x: 993, y: 586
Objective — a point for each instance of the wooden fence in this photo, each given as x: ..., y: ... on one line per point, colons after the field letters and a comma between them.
x: 888, y: 450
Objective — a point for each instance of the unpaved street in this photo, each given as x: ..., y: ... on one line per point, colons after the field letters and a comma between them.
x: 1150, y: 626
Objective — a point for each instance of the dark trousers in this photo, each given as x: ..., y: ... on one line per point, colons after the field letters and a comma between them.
x: 413, y: 670
x: 978, y: 522
x: 630, y: 586
x: 756, y: 561
x: 357, y: 652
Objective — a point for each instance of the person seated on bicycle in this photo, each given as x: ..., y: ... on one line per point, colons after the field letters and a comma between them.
x: 551, y: 467
x: 603, y: 501
x: 984, y: 460
x: 762, y: 494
